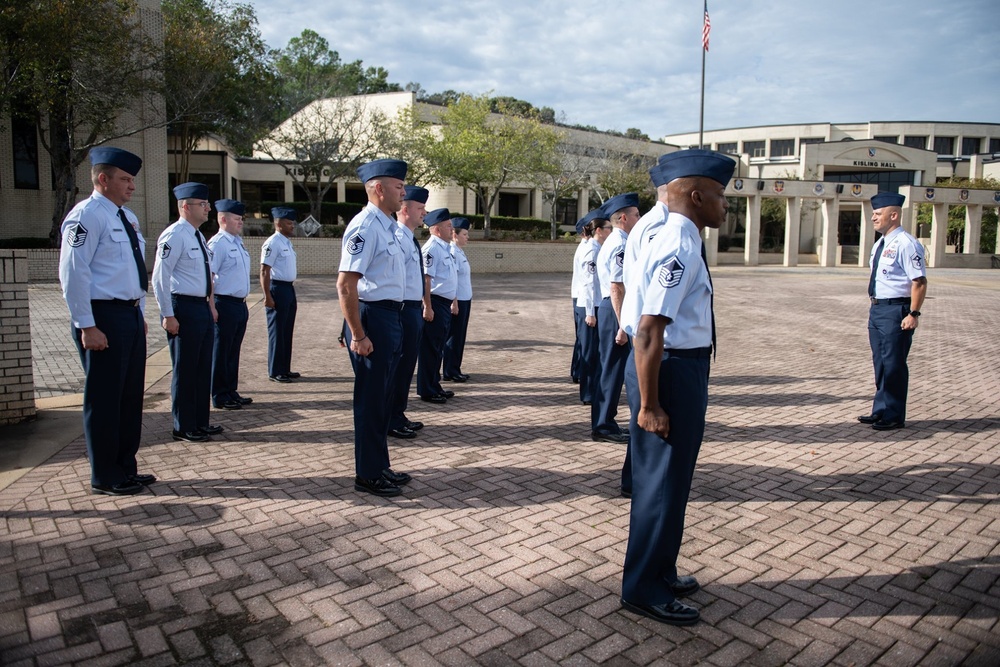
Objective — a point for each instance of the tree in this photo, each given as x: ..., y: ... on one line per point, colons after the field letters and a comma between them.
x: 625, y: 172
x: 62, y: 75
x: 956, y: 214
x: 218, y: 75
x: 484, y: 151
x: 325, y: 141
x: 574, y: 173
x: 410, y: 138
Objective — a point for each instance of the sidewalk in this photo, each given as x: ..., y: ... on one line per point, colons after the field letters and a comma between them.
x: 817, y: 540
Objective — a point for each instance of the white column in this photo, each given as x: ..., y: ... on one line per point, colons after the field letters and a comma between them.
x: 751, y: 245
x: 341, y: 190
x: 711, y: 240
x: 973, y: 228
x: 793, y: 207
x: 582, y: 202
x: 867, y: 240
x: 939, y: 234
x: 831, y: 215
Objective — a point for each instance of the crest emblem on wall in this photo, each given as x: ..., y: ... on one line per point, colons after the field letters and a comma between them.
x: 818, y: 189
x: 872, y: 152
x: 929, y: 194
x: 855, y: 190
x: 779, y: 186
x: 738, y: 185
x: 996, y: 196
x: 963, y: 195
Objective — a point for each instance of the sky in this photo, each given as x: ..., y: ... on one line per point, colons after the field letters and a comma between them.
x: 637, y: 63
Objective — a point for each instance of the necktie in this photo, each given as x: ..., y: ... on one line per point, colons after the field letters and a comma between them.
x: 140, y: 261
x: 704, y: 258
x: 878, y: 255
x: 420, y: 263
x: 204, y: 254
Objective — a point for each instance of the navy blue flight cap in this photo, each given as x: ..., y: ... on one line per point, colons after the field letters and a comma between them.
x: 582, y: 222
x: 657, y: 175
x: 415, y: 193
x: 883, y: 199
x: 461, y: 223
x: 191, y: 191
x: 384, y: 167
x: 230, y: 206
x: 436, y: 216
x: 286, y: 212
x: 618, y: 202
x: 697, y: 162
x: 116, y: 157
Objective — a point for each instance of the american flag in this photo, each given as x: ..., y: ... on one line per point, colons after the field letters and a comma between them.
x: 706, y: 30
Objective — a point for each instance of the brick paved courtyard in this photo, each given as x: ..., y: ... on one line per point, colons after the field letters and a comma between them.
x: 817, y: 540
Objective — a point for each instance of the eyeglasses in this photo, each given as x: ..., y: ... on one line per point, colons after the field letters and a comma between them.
x: 606, y: 227
x: 203, y: 204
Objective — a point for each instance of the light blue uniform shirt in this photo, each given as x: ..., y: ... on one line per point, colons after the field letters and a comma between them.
x: 464, y: 291
x: 901, y: 263
x: 96, y: 260
x: 576, y: 286
x: 414, y: 290
x: 644, y: 231
x: 180, y: 265
x: 673, y: 282
x: 440, y: 266
x: 230, y: 265
x: 588, y: 292
x: 278, y: 253
x: 370, y: 247
x: 611, y: 261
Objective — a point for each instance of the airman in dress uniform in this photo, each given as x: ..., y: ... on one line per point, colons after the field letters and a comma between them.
x: 897, y: 288
x: 372, y: 288
x: 586, y: 293
x: 182, y: 283
x: 623, y: 212
x: 231, y: 272
x: 415, y: 298
x: 102, y: 271
x: 673, y: 336
x: 454, y: 346
x: 442, y: 283
x: 278, y: 271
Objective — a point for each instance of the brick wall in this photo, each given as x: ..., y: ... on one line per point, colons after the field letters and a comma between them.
x: 17, y: 386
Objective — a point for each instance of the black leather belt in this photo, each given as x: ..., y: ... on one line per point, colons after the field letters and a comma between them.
x: 282, y: 282
x: 125, y: 303
x: 443, y: 299
x: 234, y: 299
x: 188, y: 297
x: 692, y: 353
x: 385, y: 303
x: 413, y: 304
x: 890, y: 302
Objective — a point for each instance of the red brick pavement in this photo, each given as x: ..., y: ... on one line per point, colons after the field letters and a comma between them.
x: 817, y: 540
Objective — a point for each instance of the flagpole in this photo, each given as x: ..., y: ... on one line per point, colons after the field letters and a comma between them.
x: 704, y: 50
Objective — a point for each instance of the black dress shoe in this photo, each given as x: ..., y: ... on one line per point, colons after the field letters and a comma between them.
x: 397, y: 478
x: 434, y: 398
x: 575, y: 380
x: 685, y: 587
x: 211, y: 430
x: 454, y: 378
x: 627, y: 493
x: 414, y: 426
x: 869, y: 419
x: 448, y: 393
x: 672, y: 613
x: 617, y: 438
x: 126, y: 488
x: 229, y: 405
x: 465, y: 376
x: 279, y: 378
x: 145, y: 480
x: 191, y: 436
x: 402, y: 432
x: 294, y: 375
x: 244, y: 400
x: 882, y: 425
x: 586, y: 402
x: 378, y: 487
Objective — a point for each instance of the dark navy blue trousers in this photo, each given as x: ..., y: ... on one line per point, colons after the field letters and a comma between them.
x: 661, y: 481
x: 608, y: 390
x: 432, y: 348
x: 412, y: 321
x: 890, y: 347
x: 191, y: 354
x: 454, y: 346
x: 574, y: 364
x: 280, y: 328
x: 112, y: 392
x: 634, y: 403
x: 589, y: 354
x: 229, y: 332
x: 373, y: 385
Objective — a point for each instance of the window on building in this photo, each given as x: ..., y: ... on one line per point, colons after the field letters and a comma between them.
x: 971, y: 145
x: 944, y: 145
x: 811, y: 140
x: 24, y: 137
x: 888, y: 138
x: 782, y: 147
x: 727, y: 148
x: 995, y: 145
x: 915, y: 142
x: 755, y: 148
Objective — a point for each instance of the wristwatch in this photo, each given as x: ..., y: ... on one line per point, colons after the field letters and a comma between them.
x: 915, y: 313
